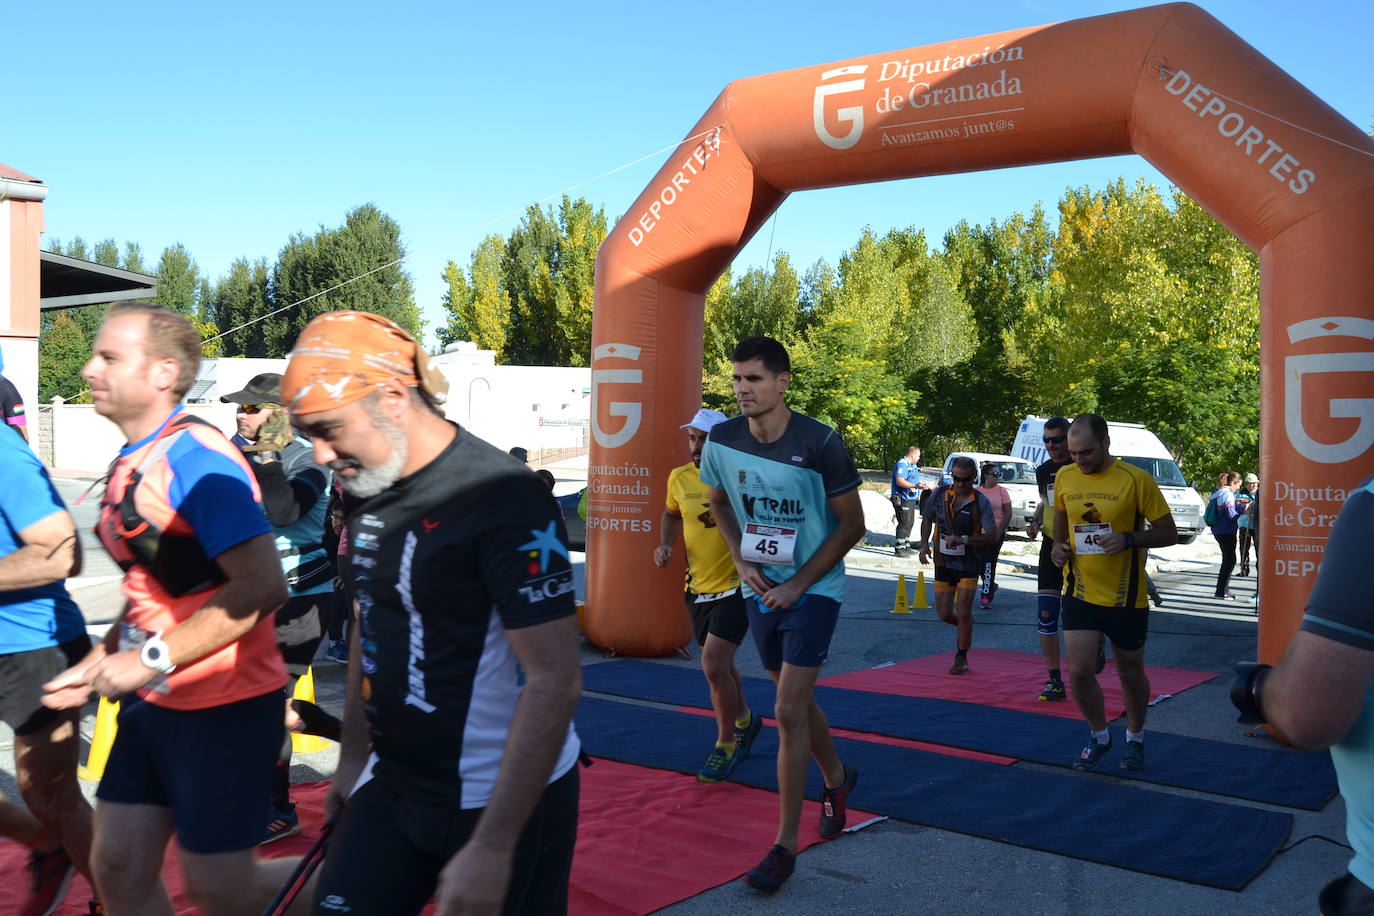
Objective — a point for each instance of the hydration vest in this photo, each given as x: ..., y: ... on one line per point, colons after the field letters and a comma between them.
x: 176, y: 561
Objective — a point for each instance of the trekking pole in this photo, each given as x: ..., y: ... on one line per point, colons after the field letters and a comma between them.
x: 304, y: 869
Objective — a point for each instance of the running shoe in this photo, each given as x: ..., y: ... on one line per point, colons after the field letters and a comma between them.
x: 280, y: 824
x: 1134, y: 758
x: 1054, y: 690
x: 960, y: 665
x: 1225, y: 596
x: 337, y: 651
x: 1091, y: 755
x: 1101, y: 653
x: 718, y: 766
x: 833, y: 804
x: 775, y: 868
x: 744, y: 737
x: 985, y: 603
x: 49, y: 876
x: 96, y: 909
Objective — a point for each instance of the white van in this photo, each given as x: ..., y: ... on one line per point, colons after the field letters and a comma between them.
x: 1018, y: 476
x: 1142, y: 448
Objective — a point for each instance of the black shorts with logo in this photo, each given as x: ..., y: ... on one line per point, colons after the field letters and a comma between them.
x: 725, y: 617
x: 22, y: 676
x: 1126, y: 627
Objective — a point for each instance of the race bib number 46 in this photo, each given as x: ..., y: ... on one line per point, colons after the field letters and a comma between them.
x: 768, y: 544
x: 1087, y: 538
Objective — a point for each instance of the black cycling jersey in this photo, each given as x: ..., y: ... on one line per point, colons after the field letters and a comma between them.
x: 442, y: 564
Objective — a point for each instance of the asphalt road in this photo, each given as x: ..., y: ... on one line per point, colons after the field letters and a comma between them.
x: 896, y: 867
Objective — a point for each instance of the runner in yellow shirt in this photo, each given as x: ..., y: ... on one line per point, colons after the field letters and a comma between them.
x: 1100, y: 507
x: 713, y: 598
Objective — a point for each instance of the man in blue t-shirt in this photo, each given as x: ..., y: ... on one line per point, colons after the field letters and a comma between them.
x: 784, y: 493
x: 906, y: 495
x: 1322, y: 693
x: 41, y: 633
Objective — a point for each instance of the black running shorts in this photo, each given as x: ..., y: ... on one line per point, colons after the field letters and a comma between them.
x: 724, y: 617
x: 388, y: 850
x: 300, y: 627
x: 22, y: 676
x: 1048, y: 575
x: 1126, y: 627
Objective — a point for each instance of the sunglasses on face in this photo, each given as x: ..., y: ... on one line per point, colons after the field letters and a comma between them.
x: 254, y: 408
x: 1052, y: 440
x: 957, y: 479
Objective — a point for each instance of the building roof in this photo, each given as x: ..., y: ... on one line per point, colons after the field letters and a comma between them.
x: 67, y: 282
x: 15, y: 174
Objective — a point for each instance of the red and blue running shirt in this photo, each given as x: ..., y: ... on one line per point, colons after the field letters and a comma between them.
x: 201, y: 488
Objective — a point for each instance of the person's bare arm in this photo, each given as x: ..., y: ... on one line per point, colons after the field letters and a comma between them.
x: 1317, y: 691
x: 849, y: 513
x: 51, y: 552
x: 749, y: 573
x: 669, y: 527
x: 1060, y: 553
x: 475, y: 879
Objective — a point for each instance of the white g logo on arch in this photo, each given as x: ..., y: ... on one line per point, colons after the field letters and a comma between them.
x: 852, y: 114
x: 1359, y: 409
x: 631, y: 411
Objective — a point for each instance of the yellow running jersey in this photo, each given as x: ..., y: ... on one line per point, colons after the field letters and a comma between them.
x: 1119, y: 499
x: 710, y: 569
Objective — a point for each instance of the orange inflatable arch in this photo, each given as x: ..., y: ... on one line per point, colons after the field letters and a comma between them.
x: 1283, y: 171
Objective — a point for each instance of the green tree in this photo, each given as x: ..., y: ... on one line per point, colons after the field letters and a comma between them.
x: 178, y: 280
x: 237, y: 299
x: 354, y: 267
x: 478, y: 306
x: 62, y: 352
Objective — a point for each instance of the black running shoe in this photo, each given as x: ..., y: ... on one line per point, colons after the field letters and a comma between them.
x: 1053, y: 692
x: 1134, y: 758
x: 1091, y: 754
x: 775, y: 868
x: 960, y: 665
x: 833, y: 803
x: 744, y: 737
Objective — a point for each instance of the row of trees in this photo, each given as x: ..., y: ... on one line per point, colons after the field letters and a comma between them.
x: 1133, y: 303
x: 254, y: 303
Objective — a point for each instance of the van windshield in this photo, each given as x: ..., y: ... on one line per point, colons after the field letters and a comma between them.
x: 1163, y: 470
x: 1014, y: 471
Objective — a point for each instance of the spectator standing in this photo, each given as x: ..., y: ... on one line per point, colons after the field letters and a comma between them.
x: 12, y: 405
x: 906, y: 494
x: 1225, y: 512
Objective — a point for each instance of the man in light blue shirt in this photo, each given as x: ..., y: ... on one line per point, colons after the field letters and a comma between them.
x: 784, y: 493
x: 906, y: 496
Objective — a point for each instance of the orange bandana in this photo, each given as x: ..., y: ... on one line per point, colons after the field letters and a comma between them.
x: 342, y: 357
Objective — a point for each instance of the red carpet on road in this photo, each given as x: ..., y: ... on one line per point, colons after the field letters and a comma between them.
x: 1002, y: 678
x: 646, y: 839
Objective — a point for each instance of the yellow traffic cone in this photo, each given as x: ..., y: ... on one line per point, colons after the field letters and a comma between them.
x: 307, y: 744
x: 921, y: 604
x: 106, y: 725
x: 899, y: 604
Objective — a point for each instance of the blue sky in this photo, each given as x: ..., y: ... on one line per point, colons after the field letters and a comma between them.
x: 228, y: 128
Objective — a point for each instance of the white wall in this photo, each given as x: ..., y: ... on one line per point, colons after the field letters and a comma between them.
x: 83, y: 440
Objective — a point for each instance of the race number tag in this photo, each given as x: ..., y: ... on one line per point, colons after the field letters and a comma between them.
x: 768, y: 544
x: 952, y: 546
x: 1086, y: 538
x: 1049, y: 497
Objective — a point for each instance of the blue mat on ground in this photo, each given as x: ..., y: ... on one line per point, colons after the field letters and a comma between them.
x: 1276, y: 776
x: 1187, y: 839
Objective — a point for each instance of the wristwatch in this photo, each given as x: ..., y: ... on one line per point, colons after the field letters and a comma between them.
x: 157, y: 656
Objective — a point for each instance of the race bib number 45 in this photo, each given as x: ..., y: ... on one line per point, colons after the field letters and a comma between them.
x: 768, y: 544
x: 1087, y: 538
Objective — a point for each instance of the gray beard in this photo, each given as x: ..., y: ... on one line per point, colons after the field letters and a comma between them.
x: 368, y: 482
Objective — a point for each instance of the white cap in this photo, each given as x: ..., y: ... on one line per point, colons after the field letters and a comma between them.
x: 1251, y: 478
x: 704, y: 420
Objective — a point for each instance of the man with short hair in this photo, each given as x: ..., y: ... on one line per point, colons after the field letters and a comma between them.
x: 463, y: 668
x: 41, y: 634
x: 194, y: 657
x: 1319, y: 695
x: 784, y: 493
x: 1050, y: 578
x: 714, y: 602
x: 963, y: 521
x: 906, y: 494
x: 295, y: 495
x: 1100, y: 506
